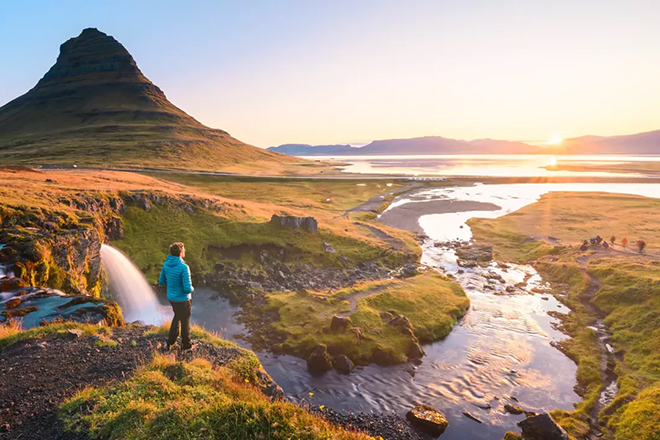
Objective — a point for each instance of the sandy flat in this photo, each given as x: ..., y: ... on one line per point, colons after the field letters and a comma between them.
x: 407, y: 216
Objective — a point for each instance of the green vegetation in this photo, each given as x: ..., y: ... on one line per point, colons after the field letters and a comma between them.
x: 330, y: 194
x: 625, y: 286
x: 245, y: 366
x: 190, y: 400
x: 11, y: 333
x: 431, y: 302
x: 210, y: 238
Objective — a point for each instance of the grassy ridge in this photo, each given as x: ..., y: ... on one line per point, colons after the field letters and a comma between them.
x: 628, y: 292
x: 430, y: 301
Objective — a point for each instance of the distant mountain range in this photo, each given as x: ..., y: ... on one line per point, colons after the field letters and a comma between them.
x: 641, y: 143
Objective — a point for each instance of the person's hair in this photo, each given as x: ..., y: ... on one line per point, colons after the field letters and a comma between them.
x: 176, y: 249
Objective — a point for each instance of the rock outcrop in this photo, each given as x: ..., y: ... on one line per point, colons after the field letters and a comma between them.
x: 340, y: 323
x: 319, y: 361
x: 37, y: 307
x: 308, y: 223
x: 94, y: 106
x: 343, y: 364
x: 428, y: 419
x: 542, y: 427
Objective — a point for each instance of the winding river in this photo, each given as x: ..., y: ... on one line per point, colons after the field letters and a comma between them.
x: 501, y: 351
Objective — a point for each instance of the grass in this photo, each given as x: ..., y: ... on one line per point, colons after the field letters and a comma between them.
x: 331, y: 194
x: 12, y: 333
x: 571, y: 217
x: 190, y: 400
x: 628, y: 293
x: 245, y: 367
x: 210, y: 238
x: 430, y: 301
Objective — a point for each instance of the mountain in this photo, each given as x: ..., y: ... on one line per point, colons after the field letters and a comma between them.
x: 414, y: 146
x: 640, y: 143
x: 94, y: 107
x: 313, y: 150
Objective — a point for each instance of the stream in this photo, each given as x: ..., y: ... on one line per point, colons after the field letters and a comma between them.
x: 502, y: 351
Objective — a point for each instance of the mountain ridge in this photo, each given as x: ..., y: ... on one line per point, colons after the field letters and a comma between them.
x: 94, y: 107
x: 638, y: 143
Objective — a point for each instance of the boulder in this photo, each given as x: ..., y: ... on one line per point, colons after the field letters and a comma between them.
x: 340, y: 323
x: 343, y: 364
x: 542, y: 427
x: 513, y: 409
x: 287, y: 221
x: 475, y: 253
x: 12, y: 303
x: 401, y: 322
x: 319, y: 361
x: 8, y: 284
x: 428, y: 419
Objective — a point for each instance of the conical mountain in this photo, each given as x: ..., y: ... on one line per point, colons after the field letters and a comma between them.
x: 94, y: 107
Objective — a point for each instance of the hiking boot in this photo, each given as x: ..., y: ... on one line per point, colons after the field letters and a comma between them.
x: 188, y: 347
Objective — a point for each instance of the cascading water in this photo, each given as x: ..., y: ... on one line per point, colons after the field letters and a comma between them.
x: 130, y: 288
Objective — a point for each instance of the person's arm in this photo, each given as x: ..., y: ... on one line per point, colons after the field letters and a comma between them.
x: 187, y: 282
x: 162, y: 280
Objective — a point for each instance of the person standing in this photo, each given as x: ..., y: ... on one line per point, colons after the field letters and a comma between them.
x: 176, y: 275
x: 624, y: 242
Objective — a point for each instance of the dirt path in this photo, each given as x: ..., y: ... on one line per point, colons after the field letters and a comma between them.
x: 36, y: 376
x: 395, y: 243
x: 355, y: 297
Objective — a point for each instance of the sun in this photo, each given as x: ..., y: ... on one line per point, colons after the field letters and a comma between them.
x: 555, y: 139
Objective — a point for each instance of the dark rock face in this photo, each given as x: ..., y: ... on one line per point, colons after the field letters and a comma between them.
x: 542, y: 427
x: 319, y: 361
x: 428, y: 419
x: 308, y: 223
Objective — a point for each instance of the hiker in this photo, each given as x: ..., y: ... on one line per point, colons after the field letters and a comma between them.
x: 598, y: 239
x: 592, y: 241
x: 624, y: 242
x: 176, y: 275
x: 641, y: 245
x: 605, y: 245
x: 585, y: 245
x: 612, y: 240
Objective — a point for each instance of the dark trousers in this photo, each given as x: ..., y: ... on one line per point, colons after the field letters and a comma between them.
x: 182, y: 310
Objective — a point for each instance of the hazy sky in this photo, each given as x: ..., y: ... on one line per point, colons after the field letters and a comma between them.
x: 311, y: 71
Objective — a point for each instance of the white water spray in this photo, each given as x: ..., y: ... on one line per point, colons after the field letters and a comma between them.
x: 130, y: 288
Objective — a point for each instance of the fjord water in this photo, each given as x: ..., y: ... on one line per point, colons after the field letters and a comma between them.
x: 130, y: 288
x: 493, y: 165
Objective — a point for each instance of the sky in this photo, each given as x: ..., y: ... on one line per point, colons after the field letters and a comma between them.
x: 335, y: 71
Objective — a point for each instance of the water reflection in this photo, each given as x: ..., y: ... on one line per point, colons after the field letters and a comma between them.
x: 495, y: 165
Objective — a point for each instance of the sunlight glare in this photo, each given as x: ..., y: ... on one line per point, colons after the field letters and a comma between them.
x: 555, y: 139
x: 553, y: 161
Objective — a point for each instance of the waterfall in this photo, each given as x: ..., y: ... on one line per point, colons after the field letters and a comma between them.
x: 130, y: 288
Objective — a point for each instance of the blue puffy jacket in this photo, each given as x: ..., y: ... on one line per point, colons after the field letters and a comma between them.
x: 176, y: 274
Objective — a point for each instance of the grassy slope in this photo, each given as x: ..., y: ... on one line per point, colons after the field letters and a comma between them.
x: 431, y: 302
x: 189, y: 400
x: 166, y: 399
x: 242, y: 221
x: 628, y: 293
